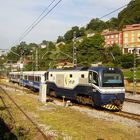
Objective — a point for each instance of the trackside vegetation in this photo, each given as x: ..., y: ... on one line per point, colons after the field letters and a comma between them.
x: 61, y: 122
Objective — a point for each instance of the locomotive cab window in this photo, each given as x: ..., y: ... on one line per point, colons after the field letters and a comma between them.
x: 112, y: 78
x: 93, y: 78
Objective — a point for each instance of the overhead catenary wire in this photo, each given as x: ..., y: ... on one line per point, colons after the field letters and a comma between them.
x: 113, y: 11
x: 37, y: 21
x: 19, y: 39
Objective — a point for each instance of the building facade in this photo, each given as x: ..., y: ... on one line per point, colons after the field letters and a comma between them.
x: 112, y: 37
x: 131, y: 38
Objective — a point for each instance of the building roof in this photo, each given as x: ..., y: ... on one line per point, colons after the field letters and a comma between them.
x: 110, y: 32
x: 132, y: 27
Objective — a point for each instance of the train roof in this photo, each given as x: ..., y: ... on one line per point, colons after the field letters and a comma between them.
x: 101, y: 68
x: 30, y: 72
x: 98, y: 68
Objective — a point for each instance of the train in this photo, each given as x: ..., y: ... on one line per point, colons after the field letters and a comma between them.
x: 96, y: 86
x: 30, y: 79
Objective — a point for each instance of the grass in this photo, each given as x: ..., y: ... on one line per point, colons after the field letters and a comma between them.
x: 128, y: 73
x: 67, y: 122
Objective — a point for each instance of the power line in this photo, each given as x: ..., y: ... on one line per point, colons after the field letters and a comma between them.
x: 39, y: 20
x: 34, y: 22
x: 114, y: 11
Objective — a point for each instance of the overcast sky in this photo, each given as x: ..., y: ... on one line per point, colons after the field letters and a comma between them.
x: 17, y: 15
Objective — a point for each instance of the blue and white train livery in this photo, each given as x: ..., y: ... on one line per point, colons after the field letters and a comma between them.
x: 98, y: 86
x: 31, y: 79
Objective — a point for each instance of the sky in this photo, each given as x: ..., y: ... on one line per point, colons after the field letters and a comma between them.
x: 17, y: 15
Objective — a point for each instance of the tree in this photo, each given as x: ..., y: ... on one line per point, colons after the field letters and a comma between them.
x: 130, y: 14
x: 112, y: 24
x: 127, y: 61
x: 69, y: 34
x: 113, y: 55
x: 60, y: 39
x: 96, y: 25
x: 89, y: 50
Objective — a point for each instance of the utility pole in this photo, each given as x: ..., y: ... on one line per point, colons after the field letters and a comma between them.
x: 134, y: 72
x: 36, y: 60
x: 21, y: 66
x: 74, y: 50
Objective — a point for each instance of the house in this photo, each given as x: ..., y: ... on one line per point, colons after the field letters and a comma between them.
x: 131, y: 38
x: 112, y: 37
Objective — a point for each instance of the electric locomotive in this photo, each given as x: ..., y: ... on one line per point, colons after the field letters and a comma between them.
x: 97, y: 86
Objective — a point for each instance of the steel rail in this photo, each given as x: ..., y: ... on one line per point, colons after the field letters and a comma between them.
x: 44, y: 136
x: 129, y: 115
x: 132, y: 100
x: 5, y: 106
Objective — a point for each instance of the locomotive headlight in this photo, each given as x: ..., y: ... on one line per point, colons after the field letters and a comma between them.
x: 111, y: 68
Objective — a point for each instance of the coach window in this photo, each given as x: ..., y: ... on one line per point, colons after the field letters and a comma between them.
x: 18, y: 76
x: 31, y: 78
x: 36, y: 78
x: 25, y: 77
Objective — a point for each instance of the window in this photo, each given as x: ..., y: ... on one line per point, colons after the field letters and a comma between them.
x: 139, y: 38
x: 25, y: 77
x: 132, y: 39
x: 126, y: 40
x: 51, y: 75
x: 93, y: 78
x: 116, y: 36
x: 46, y: 76
x: 82, y: 76
x: 31, y: 78
x: 70, y: 75
x: 112, y: 36
x: 126, y: 34
x: 132, y: 35
x: 112, y: 79
x: 37, y: 78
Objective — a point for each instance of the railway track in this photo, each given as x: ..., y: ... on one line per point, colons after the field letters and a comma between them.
x: 128, y: 115
x: 132, y: 100
x: 23, y: 112
x: 124, y: 114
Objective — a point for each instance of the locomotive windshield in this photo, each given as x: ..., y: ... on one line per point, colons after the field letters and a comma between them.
x: 112, y: 79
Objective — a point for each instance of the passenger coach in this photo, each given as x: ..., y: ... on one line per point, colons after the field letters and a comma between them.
x: 31, y: 79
